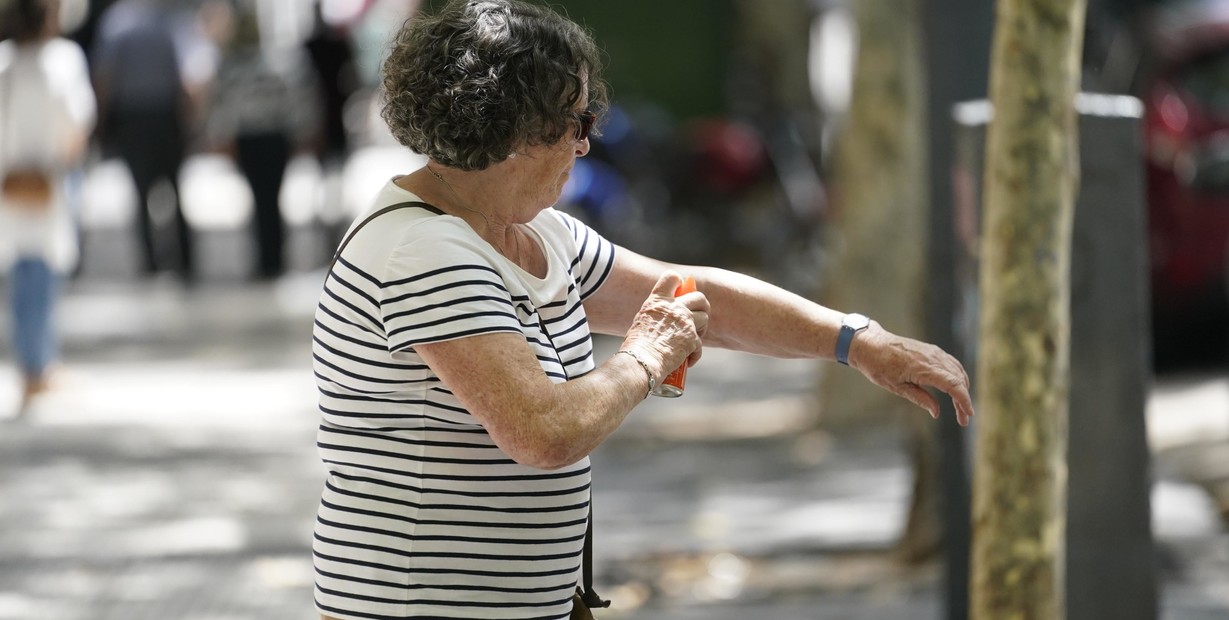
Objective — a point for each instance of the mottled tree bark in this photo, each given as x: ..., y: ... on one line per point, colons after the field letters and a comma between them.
x: 1019, y: 491
x: 877, y: 234
x: 878, y: 237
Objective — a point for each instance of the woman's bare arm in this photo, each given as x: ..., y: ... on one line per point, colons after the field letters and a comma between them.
x: 750, y: 315
x: 549, y: 425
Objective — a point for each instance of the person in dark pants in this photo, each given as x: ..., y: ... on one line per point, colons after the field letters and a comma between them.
x: 332, y: 60
x: 143, y: 110
x: 262, y: 157
x: 151, y: 143
x: 259, y: 111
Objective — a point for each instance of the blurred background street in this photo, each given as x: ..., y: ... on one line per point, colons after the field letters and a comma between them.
x: 170, y: 471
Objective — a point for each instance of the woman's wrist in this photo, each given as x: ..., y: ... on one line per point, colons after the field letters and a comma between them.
x: 864, y: 344
x: 648, y: 373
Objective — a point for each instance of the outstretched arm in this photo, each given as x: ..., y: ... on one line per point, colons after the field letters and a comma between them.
x: 750, y: 315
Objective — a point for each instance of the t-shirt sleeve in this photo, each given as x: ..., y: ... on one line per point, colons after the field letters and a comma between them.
x: 73, y: 104
x: 591, y: 255
x: 442, y: 289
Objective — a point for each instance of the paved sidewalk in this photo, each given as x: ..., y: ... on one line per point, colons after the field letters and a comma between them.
x: 173, y: 475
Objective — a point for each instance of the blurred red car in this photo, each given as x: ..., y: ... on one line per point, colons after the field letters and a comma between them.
x: 1186, y: 124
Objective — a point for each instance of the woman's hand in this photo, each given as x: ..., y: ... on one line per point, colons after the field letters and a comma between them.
x: 907, y: 367
x: 667, y: 330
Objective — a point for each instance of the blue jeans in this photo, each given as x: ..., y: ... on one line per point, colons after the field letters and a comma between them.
x: 34, y: 290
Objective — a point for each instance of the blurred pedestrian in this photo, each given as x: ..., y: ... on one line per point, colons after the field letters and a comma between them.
x: 458, y: 387
x: 47, y: 111
x: 332, y: 59
x: 144, y: 111
x: 260, y: 110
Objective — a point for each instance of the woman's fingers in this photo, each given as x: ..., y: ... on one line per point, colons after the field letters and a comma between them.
x: 919, y: 397
x: 695, y: 356
x: 957, y: 388
x: 952, y: 379
x: 908, y: 367
x: 671, y: 327
x: 697, y: 303
x: 700, y: 318
x: 962, y: 399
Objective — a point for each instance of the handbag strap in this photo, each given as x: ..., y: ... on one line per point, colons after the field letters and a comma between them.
x: 589, y: 596
x: 354, y: 231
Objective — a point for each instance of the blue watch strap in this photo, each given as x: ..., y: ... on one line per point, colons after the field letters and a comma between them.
x: 850, y: 326
x: 842, y: 344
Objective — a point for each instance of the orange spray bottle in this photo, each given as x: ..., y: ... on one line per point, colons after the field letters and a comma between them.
x: 672, y: 385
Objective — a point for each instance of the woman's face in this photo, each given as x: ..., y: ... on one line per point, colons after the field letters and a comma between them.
x: 545, y: 169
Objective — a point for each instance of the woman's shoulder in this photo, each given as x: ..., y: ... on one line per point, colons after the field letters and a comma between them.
x: 405, y: 219
x: 393, y: 197
x: 61, y: 50
x: 555, y: 222
x: 560, y: 226
x: 63, y: 59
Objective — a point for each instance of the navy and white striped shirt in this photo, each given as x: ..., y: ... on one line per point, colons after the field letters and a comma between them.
x: 422, y: 515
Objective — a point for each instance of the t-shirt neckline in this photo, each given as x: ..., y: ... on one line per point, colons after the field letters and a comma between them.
x: 536, y: 236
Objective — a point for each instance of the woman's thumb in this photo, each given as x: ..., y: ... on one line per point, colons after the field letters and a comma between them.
x: 666, y: 284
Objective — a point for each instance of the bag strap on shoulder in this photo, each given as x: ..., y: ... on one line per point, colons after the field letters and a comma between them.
x: 354, y: 231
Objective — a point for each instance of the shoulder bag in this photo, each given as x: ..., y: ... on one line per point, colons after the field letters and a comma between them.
x: 24, y: 187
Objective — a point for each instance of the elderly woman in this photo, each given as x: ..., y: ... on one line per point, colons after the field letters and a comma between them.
x: 453, y: 350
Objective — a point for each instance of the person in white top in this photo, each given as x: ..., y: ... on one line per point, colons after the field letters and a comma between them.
x: 47, y: 111
x: 459, y: 392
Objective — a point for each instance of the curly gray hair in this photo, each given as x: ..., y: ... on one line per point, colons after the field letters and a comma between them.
x: 470, y: 84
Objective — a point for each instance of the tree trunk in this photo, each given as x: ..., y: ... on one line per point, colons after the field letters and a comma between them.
x: 878, y: 238
x: 1019, y: 491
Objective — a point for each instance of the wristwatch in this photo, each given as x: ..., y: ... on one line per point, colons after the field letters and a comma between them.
x: 850, y: 326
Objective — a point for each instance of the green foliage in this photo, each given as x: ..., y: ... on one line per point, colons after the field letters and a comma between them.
x: 673, y: 53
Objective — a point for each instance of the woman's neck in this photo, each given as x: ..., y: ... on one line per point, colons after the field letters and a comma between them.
x: 481, y: 198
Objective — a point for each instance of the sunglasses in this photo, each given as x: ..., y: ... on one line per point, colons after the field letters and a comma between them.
x: 584, y: 124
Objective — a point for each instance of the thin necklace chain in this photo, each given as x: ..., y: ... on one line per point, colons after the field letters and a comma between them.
x: 461, y: 203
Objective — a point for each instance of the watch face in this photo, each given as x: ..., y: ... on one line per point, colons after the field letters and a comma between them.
x: 856, y: 321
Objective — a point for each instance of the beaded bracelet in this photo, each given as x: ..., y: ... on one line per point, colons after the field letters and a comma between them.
x: 648, y: 373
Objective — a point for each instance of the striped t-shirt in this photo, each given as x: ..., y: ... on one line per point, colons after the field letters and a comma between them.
x: 422, y: 515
